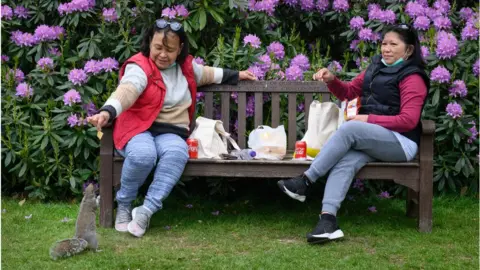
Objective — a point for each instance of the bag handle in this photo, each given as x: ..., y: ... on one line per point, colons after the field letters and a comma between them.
x: 225, y: 135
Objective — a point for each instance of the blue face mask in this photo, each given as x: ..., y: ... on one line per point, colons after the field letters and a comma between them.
x: 172, y: 65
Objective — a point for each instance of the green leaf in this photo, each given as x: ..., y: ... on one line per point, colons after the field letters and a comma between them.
x: 436, y: 97
x: 73, y: 183
x: 86, y: 153
x: 202, y: 20
x: 77, y: 151
x: 58, y: 138
x: 44, y: 142
x: 23, y: 170
x: 92, y: 143
x: 460, y: 164
x: 8, y: 159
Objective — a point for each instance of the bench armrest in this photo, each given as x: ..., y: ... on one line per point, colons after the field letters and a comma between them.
x: 428, y: 127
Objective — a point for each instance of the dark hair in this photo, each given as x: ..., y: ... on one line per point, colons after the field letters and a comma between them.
x: 148, y: 36
x: 410, y: 37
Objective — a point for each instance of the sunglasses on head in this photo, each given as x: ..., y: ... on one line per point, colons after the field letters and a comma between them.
x: 174, y: 25
x: 403, y: 26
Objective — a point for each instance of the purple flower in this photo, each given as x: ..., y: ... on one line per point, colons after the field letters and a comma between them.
x: 384, y: 195
x: 250, y: 106
x: 45, y: 63
x: 322, y: 5
x: 5, y: 58
x: 474, y: 132
x: 134, y: 12
x: 442, y: 23
x: 290, y: 2
x: 458, y: 89
x: 362, y: 62
x: 374, y: 12
x: 358, y: 184
x: 365, y: 34
x: 109, y: 64
x: 54, y: 51
x: 354, y: 45
x: 414, y: 9
x: 476, y: 67
x: 216, y: 213
x: 77, y: 76
x: 90, y: 108
x: 181, y: 10
x: 234, y: 95
x: 279, y: 75
x: 6, y: 13
x: 21, y: 12
x: 264, y: 62
x: 75, y: 6
x: 433, y: 13
x: 169, y: 13
x: 23, y: 39
x: 257, y: 71
x: 306, y: 5
x: 71, y: 97
x: 199, y: 61
x: 388, y: 17
x: 357, y: 22
x: 454, y: 110
x: 300, y: 61
x: 470, y: 32
x: 335, y: 66
x: 372, y: 209
x: 447, y: 45
x: 16, y: 74
x: 93, y: 66
x: 340, y: 5
x: 253, y: 40
x: 300, y: 107
x: 421, y: 23
x: 110, y: 14
x: 72, y: 120
x: 277, y: 49
x: 24, y: 90
x: 440, y: 74
x: 294, y: 73
x: 466, y: 13
x: 200, y: 96
x: 189, y: 206
x: 442, y: 5
x: 45, y: 33
x: 425, y: 52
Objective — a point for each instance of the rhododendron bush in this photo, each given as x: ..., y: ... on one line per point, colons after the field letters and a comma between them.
x: 60, y: 62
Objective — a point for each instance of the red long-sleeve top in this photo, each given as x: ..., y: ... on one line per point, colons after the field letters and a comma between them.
x: 412, y: 95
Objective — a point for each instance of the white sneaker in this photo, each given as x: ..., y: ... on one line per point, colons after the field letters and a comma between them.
x: 141, y: 219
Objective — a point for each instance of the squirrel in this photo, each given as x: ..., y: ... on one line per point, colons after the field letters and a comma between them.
x: 85, y: 229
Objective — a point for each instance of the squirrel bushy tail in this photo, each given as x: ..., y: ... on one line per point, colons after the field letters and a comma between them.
x: 85, y: 231
x: 67, y: 247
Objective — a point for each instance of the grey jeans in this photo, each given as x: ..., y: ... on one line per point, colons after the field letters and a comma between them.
x: 353, y: 145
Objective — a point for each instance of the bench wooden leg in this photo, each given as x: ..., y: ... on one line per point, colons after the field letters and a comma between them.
x: 412, y: 203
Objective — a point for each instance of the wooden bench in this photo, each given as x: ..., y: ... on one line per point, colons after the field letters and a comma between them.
x: 416, y: 175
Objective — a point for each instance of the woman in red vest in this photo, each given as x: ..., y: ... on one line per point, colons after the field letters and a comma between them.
x: 153, y: 107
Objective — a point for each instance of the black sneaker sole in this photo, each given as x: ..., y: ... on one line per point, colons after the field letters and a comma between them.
x: 290, y: 194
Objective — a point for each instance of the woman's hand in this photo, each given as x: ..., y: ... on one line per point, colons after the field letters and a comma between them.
x: 359, y: 117
x: 99, y: 120
x: 323, y: 75
x: 246, y: 75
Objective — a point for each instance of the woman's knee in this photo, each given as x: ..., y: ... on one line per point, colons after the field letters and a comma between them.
x: 353, y: 127
x: 177, y: 150
x: 145, y: 157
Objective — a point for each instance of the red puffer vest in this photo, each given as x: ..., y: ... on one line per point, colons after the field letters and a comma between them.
x: 140, y: 116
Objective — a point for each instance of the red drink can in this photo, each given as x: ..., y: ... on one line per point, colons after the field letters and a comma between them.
x: 192, y: 148
x: 301, y: 150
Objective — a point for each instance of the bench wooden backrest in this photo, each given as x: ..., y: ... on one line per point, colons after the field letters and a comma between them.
x: 258, y: 88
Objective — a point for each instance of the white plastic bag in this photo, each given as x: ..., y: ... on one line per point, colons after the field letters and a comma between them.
x: 212, y: 138
x: 323, y: 121
x: 268, y: 143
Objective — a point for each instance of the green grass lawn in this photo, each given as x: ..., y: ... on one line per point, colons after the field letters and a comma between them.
x: 251, y: 232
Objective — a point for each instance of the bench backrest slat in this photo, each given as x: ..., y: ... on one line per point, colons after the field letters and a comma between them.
x: 242, y: 118
x: 258, y: 89
x: 225, y: 110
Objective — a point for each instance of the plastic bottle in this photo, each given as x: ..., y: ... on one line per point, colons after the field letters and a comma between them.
x: 244, y: 154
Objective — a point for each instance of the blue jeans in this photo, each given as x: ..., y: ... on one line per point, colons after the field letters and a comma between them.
x: 346, y: 152
x: 169, y: 152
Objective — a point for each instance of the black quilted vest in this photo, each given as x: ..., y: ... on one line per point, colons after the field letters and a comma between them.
x: 381, y: 93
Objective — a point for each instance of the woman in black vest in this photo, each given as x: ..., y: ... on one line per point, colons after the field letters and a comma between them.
x: 392, y: 91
